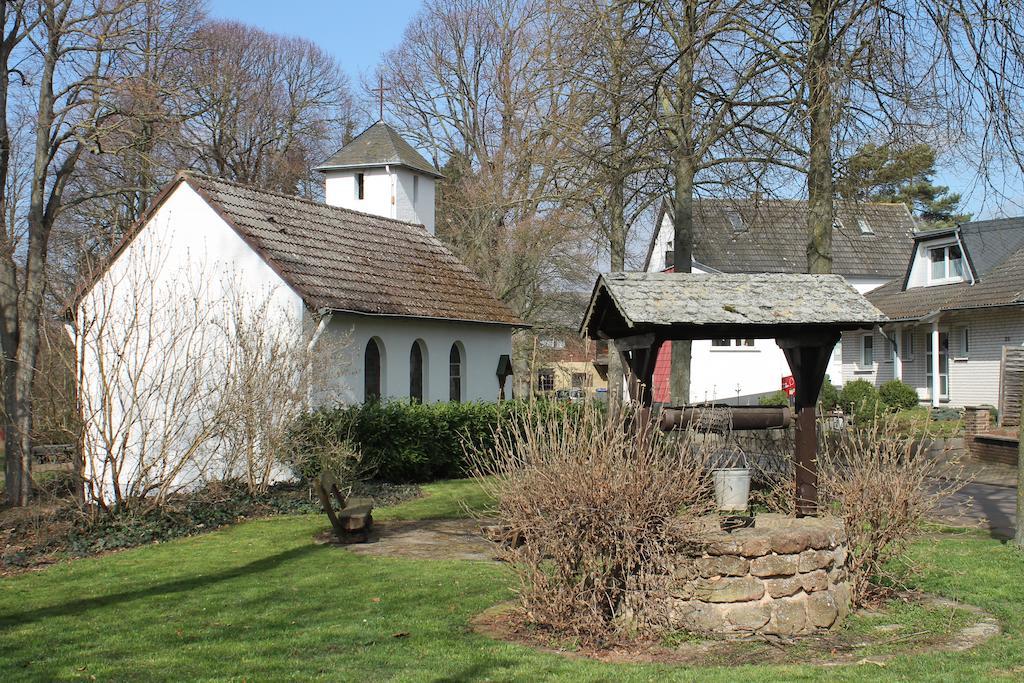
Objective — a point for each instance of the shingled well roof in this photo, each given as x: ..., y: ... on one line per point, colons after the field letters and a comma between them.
x: 767, y: 299
x: 344, y: 260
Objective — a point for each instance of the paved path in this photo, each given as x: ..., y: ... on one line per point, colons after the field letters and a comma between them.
x: 427, y: 539
x: 985, y: 506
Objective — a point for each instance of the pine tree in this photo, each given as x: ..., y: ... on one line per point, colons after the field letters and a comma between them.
x: 881, y: 173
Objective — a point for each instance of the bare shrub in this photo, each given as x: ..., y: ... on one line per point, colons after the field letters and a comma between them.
x: 592, y: 507
x: 884, y: 485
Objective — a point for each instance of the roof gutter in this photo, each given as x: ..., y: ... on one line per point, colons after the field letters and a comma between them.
x: 349, y: 311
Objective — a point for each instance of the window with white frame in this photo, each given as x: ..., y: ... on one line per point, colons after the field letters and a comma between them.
x: 964, y: 336
x: 945, y: 264
x: 867, y: 350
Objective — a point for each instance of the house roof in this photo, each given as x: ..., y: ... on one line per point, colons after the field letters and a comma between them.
x: 774, y: 237
x: 344, y: 260
x: 766, y: 300
x: 379, y: 145
x: 995, y: 250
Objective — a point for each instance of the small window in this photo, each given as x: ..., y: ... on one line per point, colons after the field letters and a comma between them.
x: 965, y: 341
x: 733, y: 342
x: 455, y: 374
x: 360, y: 186
x: 415, y: 189
x: 736, y: 221
x: 837, y: 224
x: 580, y: 380
x: 546, y: 380
x: 867, y: 347
x: 371, y: 371
x: 908, y: 346
x: 865, y: 227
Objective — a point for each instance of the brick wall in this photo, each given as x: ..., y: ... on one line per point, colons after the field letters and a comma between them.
x: 984, y: 447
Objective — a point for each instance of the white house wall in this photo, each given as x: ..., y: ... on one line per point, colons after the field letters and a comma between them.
x: 185, y: 256
x: 483, y: 345
x: 973, y: 376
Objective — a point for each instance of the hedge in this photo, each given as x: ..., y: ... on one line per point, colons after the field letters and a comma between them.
x: 405, y: 442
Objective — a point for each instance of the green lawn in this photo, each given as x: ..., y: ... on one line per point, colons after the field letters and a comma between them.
x: 260, y: 601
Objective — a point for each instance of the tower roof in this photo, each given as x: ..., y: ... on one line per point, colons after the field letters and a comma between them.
x: 379, y: 145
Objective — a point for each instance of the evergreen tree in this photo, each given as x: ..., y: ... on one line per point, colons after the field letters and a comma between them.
x: 881, y: 173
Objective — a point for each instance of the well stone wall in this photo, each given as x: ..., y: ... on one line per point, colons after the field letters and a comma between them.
x: 784, y: 577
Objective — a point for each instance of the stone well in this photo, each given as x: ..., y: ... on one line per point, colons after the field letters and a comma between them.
x: 784, y: 576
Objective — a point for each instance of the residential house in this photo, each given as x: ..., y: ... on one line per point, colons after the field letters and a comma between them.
x: 363, y: 270
x: 770, y: 236
x: 961, y: 292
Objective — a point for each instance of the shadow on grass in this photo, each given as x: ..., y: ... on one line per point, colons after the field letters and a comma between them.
x: 77, y: 607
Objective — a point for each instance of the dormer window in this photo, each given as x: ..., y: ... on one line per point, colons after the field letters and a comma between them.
x: 946, y: 264
x: 736, y: 221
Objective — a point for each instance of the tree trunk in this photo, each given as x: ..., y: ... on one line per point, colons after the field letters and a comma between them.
x: 617, y: 247
x: 820, y: 208
x: 684, y: 170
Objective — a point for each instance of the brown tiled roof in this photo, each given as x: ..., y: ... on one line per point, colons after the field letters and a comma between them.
x: 774, y: 237
x: 1001, y: 285
x: 344, y: 260
x: 351, y: 261
x: 379, y: 145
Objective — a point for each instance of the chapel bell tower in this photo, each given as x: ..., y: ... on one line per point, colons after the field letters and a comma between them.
x: 380, y: 173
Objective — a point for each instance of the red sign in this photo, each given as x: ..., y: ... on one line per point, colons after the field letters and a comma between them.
x: 789, y: 385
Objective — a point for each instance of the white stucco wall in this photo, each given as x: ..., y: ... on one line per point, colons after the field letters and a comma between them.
x: 387, y: 192
x: 378, y: 191
x: 138, y: 330
x: 483, y: 345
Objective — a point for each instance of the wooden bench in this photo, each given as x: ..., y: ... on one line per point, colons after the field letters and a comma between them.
x: 353, y: 519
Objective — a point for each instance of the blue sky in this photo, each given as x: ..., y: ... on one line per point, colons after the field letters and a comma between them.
x: 354, y: 31
x: 357, y: 32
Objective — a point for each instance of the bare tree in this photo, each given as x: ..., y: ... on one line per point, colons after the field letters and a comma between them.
x: 605, y: 55
x: 473, y: 81
x: 721, y: 112
x: 69, y: 49
x: 263, y: 109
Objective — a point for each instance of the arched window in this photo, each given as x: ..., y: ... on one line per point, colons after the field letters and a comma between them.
x: 371, y: 371
x: 455, y: 373
x: 416, y: 372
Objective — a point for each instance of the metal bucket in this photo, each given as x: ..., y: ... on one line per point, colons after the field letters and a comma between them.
x: 732, y: 488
